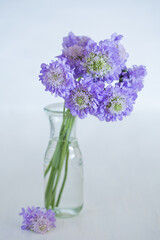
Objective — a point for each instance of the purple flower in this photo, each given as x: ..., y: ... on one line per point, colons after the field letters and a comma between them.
x: 57, y: 77
x: 116, y: 103
x: 84, y: 98
x: 74, y: 56
x: 104, y: 61
x: 133, y: 77
x: 72, y: 40
x: 37, y: 219
x: 93, y: 78
x: 73, y: 51
x: 42, y: 225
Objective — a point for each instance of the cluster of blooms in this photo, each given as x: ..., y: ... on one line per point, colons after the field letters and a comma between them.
x: 37, y: 219
x: 93, y: 78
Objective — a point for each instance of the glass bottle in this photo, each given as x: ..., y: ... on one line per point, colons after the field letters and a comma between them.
x: 63, y: 167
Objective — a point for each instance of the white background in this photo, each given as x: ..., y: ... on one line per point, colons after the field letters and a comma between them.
x: 121, y: 160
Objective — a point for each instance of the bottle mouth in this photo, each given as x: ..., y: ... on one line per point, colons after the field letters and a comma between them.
x: 56, y: 108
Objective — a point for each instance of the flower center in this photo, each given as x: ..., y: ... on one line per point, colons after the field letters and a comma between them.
x: 42, y: 227
x: 80, y: 101
x: 56, y: 77
x: 98, y: 65
x: 117, y: 107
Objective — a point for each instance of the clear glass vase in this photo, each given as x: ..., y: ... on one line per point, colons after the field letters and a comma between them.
x: 63, y: 168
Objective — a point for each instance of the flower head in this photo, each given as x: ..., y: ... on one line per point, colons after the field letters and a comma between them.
x: 104, y: 61
x: 116, y: 104
x: 73, y: 51
x: 132, y: 78
x: 84, y: 98
x: 37, y: 219
x: 42, y: 225
x: 74, y: 55
x: 57, y: 77
x: 96, y: 64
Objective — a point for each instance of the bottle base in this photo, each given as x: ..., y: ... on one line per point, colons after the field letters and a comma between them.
x: 67, y: 212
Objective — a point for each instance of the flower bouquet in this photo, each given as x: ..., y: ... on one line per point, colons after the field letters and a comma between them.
x: 92, y: 78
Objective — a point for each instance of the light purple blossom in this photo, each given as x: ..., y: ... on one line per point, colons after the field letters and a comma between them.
x: 116, y: 103
x: 38, y: 219
x: 73, y: 51
x: 74, y: 56
x: 104, y: 61
x: 115, y: 39
x: 133, y: 77
x: 84, y: 98
x: 92, y: 78
x: 57, y: 77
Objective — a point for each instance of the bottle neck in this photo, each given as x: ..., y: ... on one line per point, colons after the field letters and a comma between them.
x: 61, y: 126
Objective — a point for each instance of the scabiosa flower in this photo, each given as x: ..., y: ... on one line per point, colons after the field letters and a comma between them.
x: 42, y: 225
x: 116, y: 104
x: 73, y: 51
x: 81, y: 69
x: 132, y: 78
x: 37, y: 219
x: 84, y: 98
x: 74, y: 55
x: 103, y: 61
x: 57, y: 77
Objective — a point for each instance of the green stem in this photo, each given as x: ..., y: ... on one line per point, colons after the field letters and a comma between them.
x: 49, y: 187
x: 64, y: 180
x: 53, y: 159
x: 56, y: 163
x: 63, y: 155
x: 59, y: 171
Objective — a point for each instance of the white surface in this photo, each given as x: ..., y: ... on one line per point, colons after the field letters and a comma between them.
x: 121, y: 160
